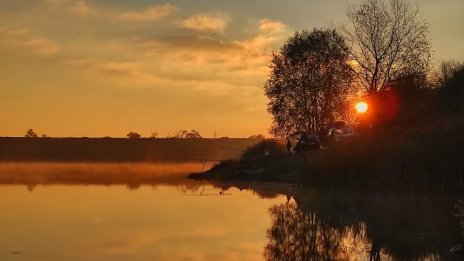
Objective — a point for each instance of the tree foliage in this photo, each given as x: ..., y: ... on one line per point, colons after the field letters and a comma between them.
x: 446, y: 71
x: 133, y: 135
x: 388, y: 42
x: 31, y: 134
x: 310, y: 80
x: 154, y: 135
x: 185, y: 134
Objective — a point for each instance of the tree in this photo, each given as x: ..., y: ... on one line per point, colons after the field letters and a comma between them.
x: 31, y: 134
x: 154, y: 135
x: 310, y: 80
x: 446, y: 71
x: 388, y: 42
x: 257, y: 137
x: 133, y: 135
x: 181, y: 134
x: 193, y: 134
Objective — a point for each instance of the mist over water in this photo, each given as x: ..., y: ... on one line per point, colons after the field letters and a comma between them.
x: 82, y: 211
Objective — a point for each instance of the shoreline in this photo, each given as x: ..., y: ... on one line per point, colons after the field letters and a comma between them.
x: 281, y: 169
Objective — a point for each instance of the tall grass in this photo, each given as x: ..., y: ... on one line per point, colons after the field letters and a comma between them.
x: 423, y: 157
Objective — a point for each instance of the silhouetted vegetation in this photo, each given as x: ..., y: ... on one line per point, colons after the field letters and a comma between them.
x: 185, y: 134
x: 410, y: 138
x: 257, y: 137
x: 154, y: 135
x: 31, y: 134
x: 310, y: 80
x: 133, y: 135
x: 389, y: 40
x: 419, y: 148
x: 269, y: 147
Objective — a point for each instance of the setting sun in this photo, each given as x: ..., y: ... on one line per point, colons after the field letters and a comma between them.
x: 361, y: 107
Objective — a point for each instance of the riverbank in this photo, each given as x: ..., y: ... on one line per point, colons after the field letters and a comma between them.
x: 276, y: 168
x: 425, y: 158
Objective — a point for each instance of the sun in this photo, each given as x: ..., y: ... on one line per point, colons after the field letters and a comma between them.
x: 361, y: 107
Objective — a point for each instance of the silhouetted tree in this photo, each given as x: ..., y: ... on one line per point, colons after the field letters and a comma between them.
x: 446, y: 71
x: 310, y: 80
x: 451, y: 93
x: 154, y: 135
x: 133, y: 135
x: 257, y: 137
x: 180, y: 134
x: 187, y: 134
x: 193, y: 134
x: 388, y: 42
x: 31, y: 134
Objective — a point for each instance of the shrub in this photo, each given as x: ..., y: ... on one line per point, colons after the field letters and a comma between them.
x: 273, y: 146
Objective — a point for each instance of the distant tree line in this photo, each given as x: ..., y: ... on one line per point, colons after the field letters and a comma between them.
x: 181, y: 134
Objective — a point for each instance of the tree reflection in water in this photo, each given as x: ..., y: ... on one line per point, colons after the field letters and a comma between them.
x: 324, y: 225
x: 299, y: 235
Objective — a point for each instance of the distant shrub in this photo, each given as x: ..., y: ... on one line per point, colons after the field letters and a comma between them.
x: 272, y: 146
x: 133, y: 135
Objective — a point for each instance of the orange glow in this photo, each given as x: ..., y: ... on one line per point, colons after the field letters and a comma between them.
x: 361, y: 107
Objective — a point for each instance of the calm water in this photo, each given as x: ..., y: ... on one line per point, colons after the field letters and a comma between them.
x: 151, y: 212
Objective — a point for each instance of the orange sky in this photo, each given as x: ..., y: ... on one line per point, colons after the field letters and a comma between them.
x: 106, y: 67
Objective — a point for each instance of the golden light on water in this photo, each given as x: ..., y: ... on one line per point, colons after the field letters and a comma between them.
x: 361, y: 107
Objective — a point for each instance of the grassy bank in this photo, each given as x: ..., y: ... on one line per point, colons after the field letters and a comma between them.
x: 424, y: 157
x: 420, y: 149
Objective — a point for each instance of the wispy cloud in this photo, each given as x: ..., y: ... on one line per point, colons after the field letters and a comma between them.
x: 81, y: 7
x: 271, y: 26
x: 22, y: 38
x: 152, y: 13
x: 204, y: 23
x: 117, y: 71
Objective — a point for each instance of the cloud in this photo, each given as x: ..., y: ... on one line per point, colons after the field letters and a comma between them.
x: 82, y: 8
x: 214, y: 60
x: 150, y: 14
x: 204, y: 23
x: 271, y: 33
x: 22, y: 38
x: 271, y: 26
x: 130, y: 71
x: 42, y: 46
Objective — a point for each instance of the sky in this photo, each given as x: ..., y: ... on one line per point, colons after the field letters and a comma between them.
x: 94, y: 68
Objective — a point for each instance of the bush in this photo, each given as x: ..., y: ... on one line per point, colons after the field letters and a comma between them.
x: 274, y: 147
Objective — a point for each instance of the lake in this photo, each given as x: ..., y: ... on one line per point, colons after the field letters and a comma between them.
x: 53, y: 211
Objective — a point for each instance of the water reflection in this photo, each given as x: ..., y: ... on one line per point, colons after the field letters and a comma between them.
x: 321, y: 225
x: 162, y: 223
x: 132, y: 175
x: 337, y: 225
x: 299, y: 235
